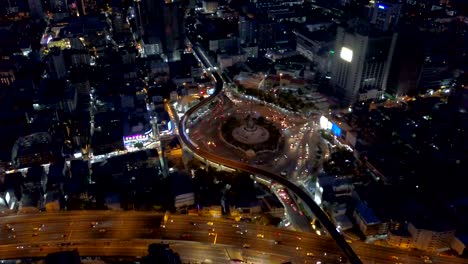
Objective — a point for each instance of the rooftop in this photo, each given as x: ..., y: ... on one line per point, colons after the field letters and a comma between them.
x: 367, y: 214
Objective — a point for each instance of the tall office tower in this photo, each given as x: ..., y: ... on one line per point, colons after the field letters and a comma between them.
x: 56, y: 63
x: 173, y: 28
x: 136, y: 20
x: 58, y: 5
x: 81, y: 6
x: 164, y: 20
x: 385, y: 15
x: 407, y: 62
x: 247, y: 30
x: 361, y: 68
x: 35, y: 9
x: 118, y: 21
x: 266, y: 36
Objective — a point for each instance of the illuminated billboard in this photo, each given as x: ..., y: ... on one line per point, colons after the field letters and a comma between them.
x: 336, y: 130
x: 346, y: 54
x: 325, y: 123
x: 137, y: 137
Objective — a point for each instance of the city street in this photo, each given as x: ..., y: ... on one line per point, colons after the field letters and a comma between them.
x: 194, y: 238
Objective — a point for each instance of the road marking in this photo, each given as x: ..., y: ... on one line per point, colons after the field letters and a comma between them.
x: 70, y: 234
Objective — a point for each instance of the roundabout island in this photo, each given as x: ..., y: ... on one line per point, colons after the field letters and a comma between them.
x: 251, y: 135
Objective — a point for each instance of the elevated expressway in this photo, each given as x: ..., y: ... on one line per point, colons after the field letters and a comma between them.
x: 321, y: 216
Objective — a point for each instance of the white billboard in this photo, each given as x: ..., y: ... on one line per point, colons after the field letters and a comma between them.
x: 346, y: 54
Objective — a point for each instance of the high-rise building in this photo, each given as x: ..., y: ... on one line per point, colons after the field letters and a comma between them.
x: 247, y: 30
x: 57, y: 63
x: 35, y: 9
x: 118, y: 22
x: 58, y: 5
x: 385, y: 15
x: 407, y: 62
x: 173, y: 27
x: 266, y: 37
x: 165, y: 21
x: 361, y: 68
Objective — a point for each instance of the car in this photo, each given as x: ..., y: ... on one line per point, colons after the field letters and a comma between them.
x: 246, y: 246
x: 102, y: 230
x: 260, y: 235
x: 237, y: 261
x: 342, y: 259
x: 310, y: 254
x: 186, y: 236
x: 210, y: 223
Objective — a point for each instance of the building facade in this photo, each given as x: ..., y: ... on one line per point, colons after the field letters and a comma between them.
x: 431, y: 240
x: 362, y: 63
x: 385, y: 16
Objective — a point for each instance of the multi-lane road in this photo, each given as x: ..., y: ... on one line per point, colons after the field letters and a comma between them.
x: 196, y: 239
x: 105, y: 233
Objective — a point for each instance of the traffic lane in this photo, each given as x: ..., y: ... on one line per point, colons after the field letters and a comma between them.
x: 267, y: 245
x: 251, y: 238
x: 188, y: 251
x: 294, y: 215
x: 201, y: 253
x: 66, y: 230
x: 42, y: 218
x: 224, y: 226
x: 386, y: 254
x: 86, y: 249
